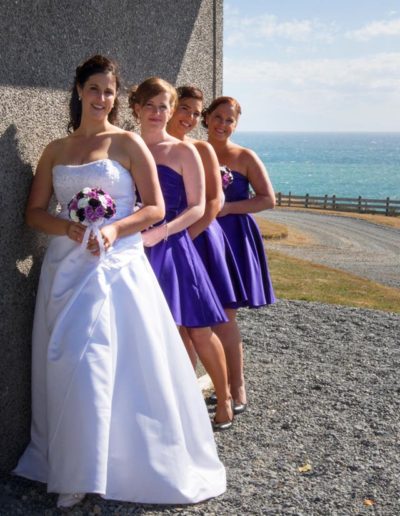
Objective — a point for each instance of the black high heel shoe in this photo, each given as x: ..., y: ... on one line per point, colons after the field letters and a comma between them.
x: 239, y: 408
x: 212, y: 399
x: 220, y: 427
x: 225, y: 425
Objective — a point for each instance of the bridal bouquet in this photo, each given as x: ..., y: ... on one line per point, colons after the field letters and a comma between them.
x: 91, y: 206
x: 226, y: 175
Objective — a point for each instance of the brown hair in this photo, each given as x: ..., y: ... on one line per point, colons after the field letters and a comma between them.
x: 93, y: 65
x: 217, y: 102
x: 189, y: 92
x: 151, y: 87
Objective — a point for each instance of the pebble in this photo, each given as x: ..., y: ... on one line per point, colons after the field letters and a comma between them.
x: 323, y: 386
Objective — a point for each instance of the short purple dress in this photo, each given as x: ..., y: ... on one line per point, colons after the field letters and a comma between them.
x: 217, y: 255
x: 247, y: 245
x: 179, y: 269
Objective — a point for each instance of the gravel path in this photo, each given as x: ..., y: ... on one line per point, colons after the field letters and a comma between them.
x: 353, y: 245
x: 324, y: 391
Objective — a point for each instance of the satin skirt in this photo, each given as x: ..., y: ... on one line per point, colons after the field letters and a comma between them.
x: 247, y: 246
x: 116, y: 408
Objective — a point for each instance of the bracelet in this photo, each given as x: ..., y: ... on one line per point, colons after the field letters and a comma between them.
x: 166, y: 233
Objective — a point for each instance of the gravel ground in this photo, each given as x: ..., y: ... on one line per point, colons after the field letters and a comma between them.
x: 324, y: 394
x: 353, y: 245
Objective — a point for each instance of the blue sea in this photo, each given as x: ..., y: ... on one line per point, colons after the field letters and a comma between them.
x: 344, y: 164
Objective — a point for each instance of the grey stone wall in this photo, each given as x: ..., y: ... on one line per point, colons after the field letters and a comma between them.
x: 42, y: 42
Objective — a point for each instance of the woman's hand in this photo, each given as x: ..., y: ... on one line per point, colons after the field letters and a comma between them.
x: 109, y: 235
x: 153, y: 236
x: 75, y: 231
x: 225, y: 210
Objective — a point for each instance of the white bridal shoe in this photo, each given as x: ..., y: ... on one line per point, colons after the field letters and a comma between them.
x: 66, y: 500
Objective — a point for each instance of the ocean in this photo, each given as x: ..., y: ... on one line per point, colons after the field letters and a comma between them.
x: 344, y: 164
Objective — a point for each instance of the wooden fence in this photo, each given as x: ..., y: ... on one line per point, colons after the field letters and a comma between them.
x: 386, y: 206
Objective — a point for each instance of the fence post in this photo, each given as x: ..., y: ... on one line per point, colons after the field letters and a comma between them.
x: 306, y: 201
x: 333, y: 202
x: 387, y: 206
x: 359, y: 203
x: 279, y: 198
x: 290, y: 195
x: 325, y: 201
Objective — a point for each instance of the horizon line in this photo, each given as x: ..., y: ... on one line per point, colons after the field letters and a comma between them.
x: 305, y: 131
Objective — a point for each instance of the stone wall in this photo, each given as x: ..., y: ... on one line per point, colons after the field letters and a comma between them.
x: 42, y: 42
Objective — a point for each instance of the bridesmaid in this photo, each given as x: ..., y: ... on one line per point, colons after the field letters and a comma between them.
x: 235, y: 218
x: 191, y: 297
x: 210, y: 240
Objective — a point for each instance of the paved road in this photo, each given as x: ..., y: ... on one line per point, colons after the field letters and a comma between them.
x: 353, y: 245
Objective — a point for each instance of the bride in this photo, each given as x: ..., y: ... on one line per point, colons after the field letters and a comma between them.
x: 116, y: 409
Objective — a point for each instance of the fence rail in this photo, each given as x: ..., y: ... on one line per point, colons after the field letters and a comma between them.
x: 359, y: 204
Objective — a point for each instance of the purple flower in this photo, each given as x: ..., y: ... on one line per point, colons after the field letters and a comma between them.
x: 226, y: 176
x: 90, y: 214
x: 73, y: 204
x: 91, y: 205
x: 99, y: 212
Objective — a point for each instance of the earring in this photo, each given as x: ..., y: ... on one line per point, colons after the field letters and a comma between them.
x: 79, y: 98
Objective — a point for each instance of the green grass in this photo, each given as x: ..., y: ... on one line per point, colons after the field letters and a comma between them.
x: 294, y: 278
x: 304, y: 280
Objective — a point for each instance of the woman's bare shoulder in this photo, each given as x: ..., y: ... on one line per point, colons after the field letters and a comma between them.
x: 246, y: 156
x: 55, y: 148
x: 128, y: 138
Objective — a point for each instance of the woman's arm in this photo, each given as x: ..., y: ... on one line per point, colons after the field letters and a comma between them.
x: 193, y: 178
x: 144, y: 173
x: 213, y: 188
x: 257, y: 175
x: 36, y: 214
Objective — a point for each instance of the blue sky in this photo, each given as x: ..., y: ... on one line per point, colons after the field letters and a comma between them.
x: 314, y: 65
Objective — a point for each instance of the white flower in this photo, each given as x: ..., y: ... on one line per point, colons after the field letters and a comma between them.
x: 82, y: 203
x: 73, y: 216
x: 103, y: 200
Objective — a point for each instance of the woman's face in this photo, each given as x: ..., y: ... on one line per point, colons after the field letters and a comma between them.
x: 186, y: 116
x: 222, y: 122
x: 98, y: 95
x: 155, y: 112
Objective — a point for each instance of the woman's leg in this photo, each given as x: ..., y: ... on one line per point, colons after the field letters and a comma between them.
x: 191, y: 351
x: 211, y: 353
x: 231, y: 339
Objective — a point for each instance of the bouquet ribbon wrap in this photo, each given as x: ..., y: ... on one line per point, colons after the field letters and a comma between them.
x: 93, y: 228
x: 91, y: 207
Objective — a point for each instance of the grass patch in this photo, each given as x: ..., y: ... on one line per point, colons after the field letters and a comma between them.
x: 294, y: 278
x: 276, y: 231
x: 303, y: 280
x: 271, y: 230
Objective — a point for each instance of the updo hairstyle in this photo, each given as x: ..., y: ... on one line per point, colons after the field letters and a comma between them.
x: 151, y: 87
x: 218, y: 102
x: 189, y: 92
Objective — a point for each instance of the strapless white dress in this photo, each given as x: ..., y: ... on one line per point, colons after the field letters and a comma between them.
x: 116, y: 405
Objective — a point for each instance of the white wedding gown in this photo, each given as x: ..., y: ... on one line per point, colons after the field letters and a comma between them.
x: 116, y: 405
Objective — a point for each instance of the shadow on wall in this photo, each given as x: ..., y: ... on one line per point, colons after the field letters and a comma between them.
x: 21, y: 254
x: 42, y: 42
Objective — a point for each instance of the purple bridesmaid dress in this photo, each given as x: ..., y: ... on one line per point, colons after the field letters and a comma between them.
x: 247, y: 245
x: 216, y: 253
x: 180, y: 272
